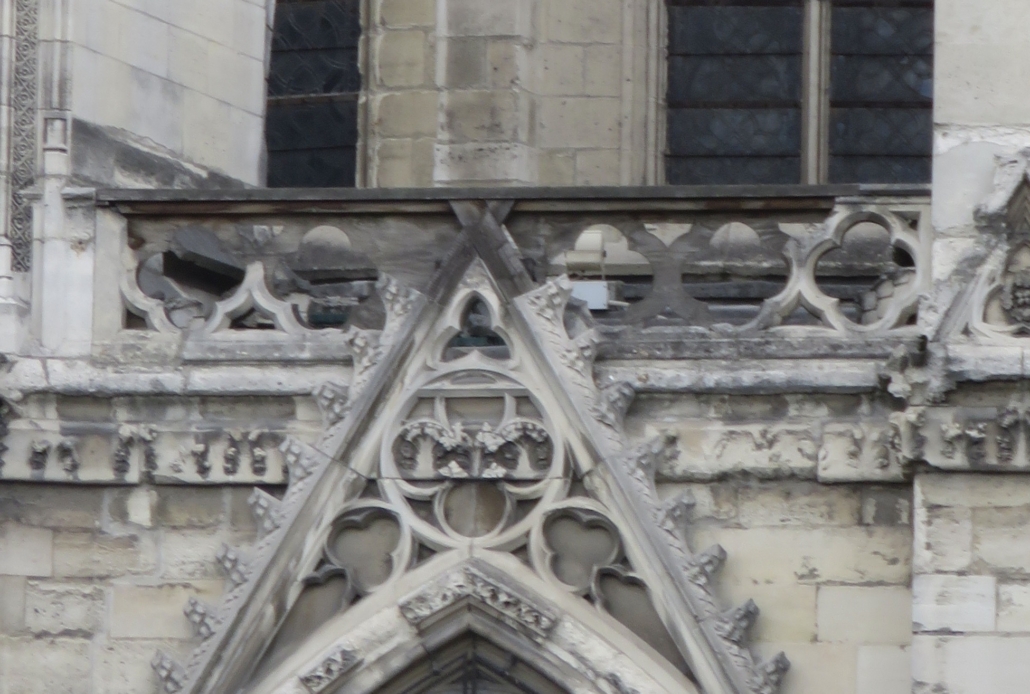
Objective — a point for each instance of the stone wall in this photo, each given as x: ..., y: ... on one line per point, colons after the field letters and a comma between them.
x: 184, y: 95
x: 971, y: 584
x: 525, y: 92
x: 829, y: 567
x: 93, y: 580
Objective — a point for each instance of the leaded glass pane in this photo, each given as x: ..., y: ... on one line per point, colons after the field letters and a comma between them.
x: 732, y: 170
x: 881, y: 131
x: 753, y: 79
x: 313, y: 83
x: 734, y: 131
x: 311, y: 144
x: 734, y: 91
x: 881, y: 91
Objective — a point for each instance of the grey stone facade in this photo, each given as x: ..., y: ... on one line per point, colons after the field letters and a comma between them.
x: 468, y: 423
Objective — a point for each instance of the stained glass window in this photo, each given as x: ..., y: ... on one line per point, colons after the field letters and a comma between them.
x: 790, y: 91
x: 734, y: 92
x: 881, y: 91
x: 313, y: 83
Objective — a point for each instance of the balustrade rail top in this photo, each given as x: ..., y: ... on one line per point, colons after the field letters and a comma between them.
x: 752, y: 197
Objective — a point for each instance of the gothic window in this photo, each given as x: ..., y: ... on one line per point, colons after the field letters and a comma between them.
x: 313, y: 84
x: 799, y: 91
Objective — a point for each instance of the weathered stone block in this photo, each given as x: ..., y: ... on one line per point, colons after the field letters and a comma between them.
x: 797, y: 503
x: 506, y: 61
x: 465, y: 64
x: 405, y: 114
x: 815, y: 668
x: 584, y: 21
x: 404, y: 163
x: 883, y: 670
x: 713, y: 451
x: 580, y: 122
x: 943, y: 538
x: 972, y: 664
x: 603, y: 70
x: 1000, y: 539
x: 865, y: 614
x: 51, y: 506
x: 558, y: 69
x: 486, y: 18
x: 122, y: 666
x: 598, y: 167
x: 81, y: 554
x: 886, y: 506
x: 63, y: 609
x: 401, y: 58
x: 942, y: 602
x: 398, y: 13
x: 811, y: 555
x: 142, y: 612
x: 973, y: 490
x: 557, y: 168
x: 26, y: 551
x: 484, y: 161
x: 190, y: 507
x: 12, y: 604
x: 45, y: 666
x: 788, y: 611
x: 484, y: 116
x: 1014, y: 607
x: 190, y: 554
x: 710, y: 501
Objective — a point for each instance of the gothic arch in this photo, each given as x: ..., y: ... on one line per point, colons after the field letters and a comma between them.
x: 555, y: 637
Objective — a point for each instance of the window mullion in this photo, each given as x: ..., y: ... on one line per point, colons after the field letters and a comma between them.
x: 815, y: 99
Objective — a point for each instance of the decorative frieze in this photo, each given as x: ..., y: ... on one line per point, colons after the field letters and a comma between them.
x: 328, y: 671
x: 469, y: 582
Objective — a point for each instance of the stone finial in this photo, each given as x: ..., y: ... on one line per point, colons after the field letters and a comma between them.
x: 333, y: 400
x: 201, y: 617
x: 770, y: 674
x: 734, y: 624
x: 171, y: 674
x: 266, y: 511
x: 704, y: 565
x: 232, y: 562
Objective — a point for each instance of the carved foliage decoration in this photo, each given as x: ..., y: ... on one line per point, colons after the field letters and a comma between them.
x: 23, y: 134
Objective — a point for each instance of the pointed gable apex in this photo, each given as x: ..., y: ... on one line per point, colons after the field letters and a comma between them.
x: 473, y: 427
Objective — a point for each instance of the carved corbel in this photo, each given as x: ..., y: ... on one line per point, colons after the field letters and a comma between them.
x: 266, y: 510
x: 703, y: 567
x: 170, y: 672
x: 333, y: 401
x: 234, y: 564
x: 770, y: 674
x: 301, y: 459
x: 734, y: 624
x: 319, y: 678
x: 202, y: 618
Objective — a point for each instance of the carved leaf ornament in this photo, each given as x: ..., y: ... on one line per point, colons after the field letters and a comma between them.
x: 483, y: 493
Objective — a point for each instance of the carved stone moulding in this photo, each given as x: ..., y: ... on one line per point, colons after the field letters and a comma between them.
x: 977, y: 438
x: 131, y: 453
x: 475, y: 583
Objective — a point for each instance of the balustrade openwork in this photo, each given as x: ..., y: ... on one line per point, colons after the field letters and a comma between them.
x: 288, y: 274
